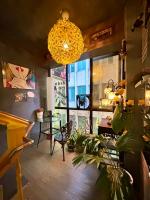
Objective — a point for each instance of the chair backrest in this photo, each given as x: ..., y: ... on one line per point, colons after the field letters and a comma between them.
x: 67, y: 128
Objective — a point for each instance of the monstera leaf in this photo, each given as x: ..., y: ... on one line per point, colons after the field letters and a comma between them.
x: 118, y: 121
x: 129, y: 143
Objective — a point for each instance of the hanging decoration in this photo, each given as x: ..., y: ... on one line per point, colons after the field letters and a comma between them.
x: 65, y: 41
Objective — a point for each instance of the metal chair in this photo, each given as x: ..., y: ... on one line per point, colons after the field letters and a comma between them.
x: 63, y: 136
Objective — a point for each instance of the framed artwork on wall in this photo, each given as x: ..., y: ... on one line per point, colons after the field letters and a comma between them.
x: 15, y: 76
x: 21, y: 97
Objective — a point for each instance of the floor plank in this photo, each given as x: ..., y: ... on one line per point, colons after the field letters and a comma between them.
x: 49, y: 178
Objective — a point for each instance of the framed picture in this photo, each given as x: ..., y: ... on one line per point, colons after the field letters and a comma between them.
x: 15, y: 76
x: 20, y: 97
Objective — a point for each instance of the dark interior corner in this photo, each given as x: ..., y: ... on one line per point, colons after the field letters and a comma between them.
x: 113, y: 70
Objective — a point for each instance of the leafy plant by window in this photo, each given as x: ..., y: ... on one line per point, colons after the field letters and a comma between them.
x: 115, y: 182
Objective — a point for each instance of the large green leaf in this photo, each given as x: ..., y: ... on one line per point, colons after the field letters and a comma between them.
x: 129, y: 143
x: 104, y: 183
x: 78, y: 159
x: 118, y: 121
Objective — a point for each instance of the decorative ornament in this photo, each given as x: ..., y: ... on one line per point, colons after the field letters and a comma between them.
x: 65, y: 41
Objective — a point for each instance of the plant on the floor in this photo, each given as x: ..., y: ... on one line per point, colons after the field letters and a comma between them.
x: 80, y: 137
x: 75, y: 141
x: 113, y: 179
x: 71, y: 142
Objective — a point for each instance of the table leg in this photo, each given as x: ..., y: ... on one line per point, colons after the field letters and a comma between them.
x: 51, y: 142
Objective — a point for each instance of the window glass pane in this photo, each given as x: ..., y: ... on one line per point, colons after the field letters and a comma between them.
x: 105, y: 71
x: 78, y: 80
x: 81, y: 65
x: 81, y: 89
x: 71, y: 67
x: 59, y: 75
x: 80, y: 120
x: 97, y: 117
x: 59, y: 118
x: 71, y: 93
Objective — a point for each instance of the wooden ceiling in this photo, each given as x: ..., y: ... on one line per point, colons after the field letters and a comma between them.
x: 25, y: 23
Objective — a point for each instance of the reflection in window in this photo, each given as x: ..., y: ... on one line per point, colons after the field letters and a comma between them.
x: 81, y: 65
x: 80, y: 120
x: 71, y: 94
x: 59, y: 75
x: 78, y: 80
x: 97, y: 117
x: 81, y: 89
x: 59, y: 118
x: 103, y: 71
x: 71, y: 67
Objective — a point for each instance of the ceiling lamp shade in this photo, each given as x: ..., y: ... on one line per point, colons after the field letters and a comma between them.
x: 65, y: 41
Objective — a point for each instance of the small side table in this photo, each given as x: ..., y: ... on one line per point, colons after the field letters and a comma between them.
x: 45, y: 128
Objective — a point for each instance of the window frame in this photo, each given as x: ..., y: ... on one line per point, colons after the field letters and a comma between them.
x: 91, y: 109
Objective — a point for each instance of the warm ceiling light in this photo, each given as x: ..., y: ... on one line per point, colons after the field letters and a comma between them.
x: 65, y: 41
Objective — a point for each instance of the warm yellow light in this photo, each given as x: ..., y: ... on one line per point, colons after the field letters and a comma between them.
x: 147, y: 97
x: 65, y: 41
x: 66, y: 46
x: 105, y: 103
x: 111, y: 95
x: 107, y: 90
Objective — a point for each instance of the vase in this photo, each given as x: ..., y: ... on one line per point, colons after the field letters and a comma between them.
x: 39, y: 116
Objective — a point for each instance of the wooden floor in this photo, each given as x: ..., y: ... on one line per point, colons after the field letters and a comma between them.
x: 49, y: 178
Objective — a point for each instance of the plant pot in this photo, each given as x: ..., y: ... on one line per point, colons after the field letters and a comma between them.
x: 71, y: 147
x: 39, y: 115
x: 79, y: 149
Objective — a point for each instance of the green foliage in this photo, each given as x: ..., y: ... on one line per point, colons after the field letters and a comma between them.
x: 118, y: 121
x: 128, y: 143
x: 72, y: 139
x: 79, y: 138
x: 111, y: 180
x: 134, y: 122
x: 130, y: 121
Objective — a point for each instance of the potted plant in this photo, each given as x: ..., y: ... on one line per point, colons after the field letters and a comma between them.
x: 114, y: 181
x: 71, y: 143
x: 80, y: 137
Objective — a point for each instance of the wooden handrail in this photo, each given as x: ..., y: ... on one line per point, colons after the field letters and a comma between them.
x: 11, y: 157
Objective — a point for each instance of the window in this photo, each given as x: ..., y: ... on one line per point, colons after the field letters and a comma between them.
x: 81, y: 65
x: 71, y: 66
x: 59, y: 118
x: 78, y: 81
x: 97, y: 117
x: 59, y: 76
x: 72, y: 94
x: 81, y: 120
x: 110, y: 60
x: 104, y: 70
x: 81, y: 89
x: 78, y: 77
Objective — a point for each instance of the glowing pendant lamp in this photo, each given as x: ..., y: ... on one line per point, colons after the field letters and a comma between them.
x: 65, y: 41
